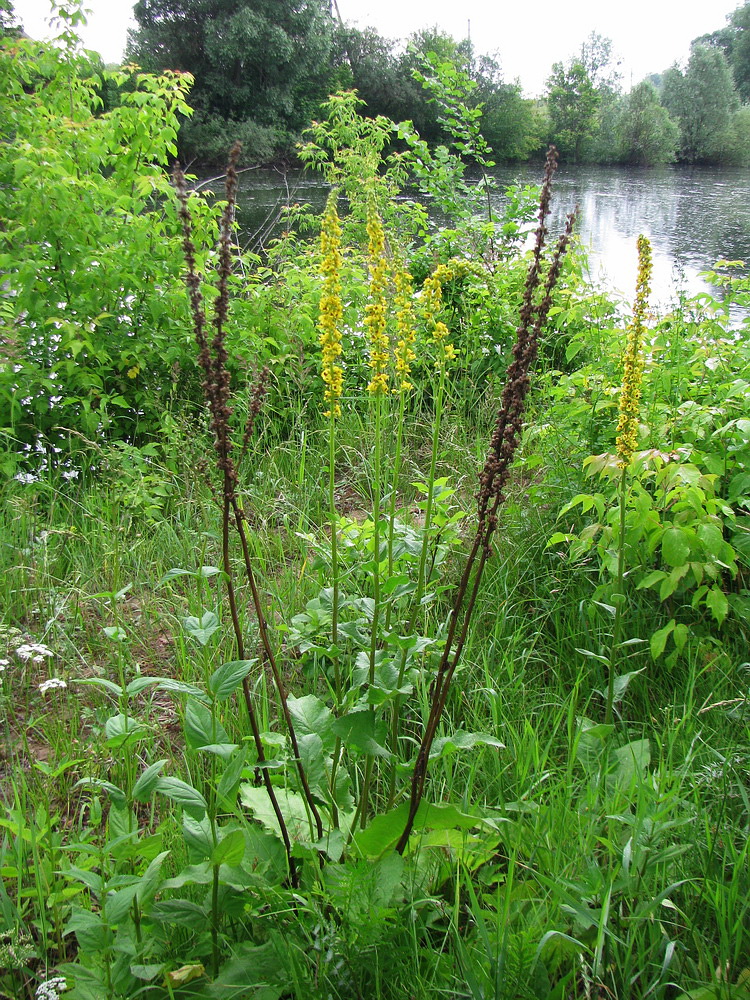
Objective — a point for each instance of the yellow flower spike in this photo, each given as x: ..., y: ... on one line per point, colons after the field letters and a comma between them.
x: 432, y: 303
x: 376, y: 309
x: 330, y: 309
x: 633, y: 360
x: 405, y: 329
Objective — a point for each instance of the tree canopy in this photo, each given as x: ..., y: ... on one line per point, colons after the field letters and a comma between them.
x: 265, y: 62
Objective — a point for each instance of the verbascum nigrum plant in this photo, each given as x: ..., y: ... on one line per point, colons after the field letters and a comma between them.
x: 627, y: 441
x: 633, y: 360
x: 504, y: 442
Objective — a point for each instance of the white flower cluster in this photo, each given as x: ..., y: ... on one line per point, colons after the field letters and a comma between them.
x: 51, y: 684
x: 4, y: 664
x: 51, y: 989
x: 34, y: 651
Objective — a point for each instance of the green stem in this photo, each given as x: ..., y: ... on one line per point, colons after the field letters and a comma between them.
x: 375, y: 590
x: 619, y: 602
x: 394, y: 495
x: 334, y: 550
x: 437, y: 419
x: 421, y: 577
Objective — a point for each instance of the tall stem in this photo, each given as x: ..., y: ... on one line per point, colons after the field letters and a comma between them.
x: 334, y: 550
x: 619, y: 601
x: 375, y: 587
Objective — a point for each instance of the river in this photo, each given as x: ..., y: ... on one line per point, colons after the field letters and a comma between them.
x: 693, y: 216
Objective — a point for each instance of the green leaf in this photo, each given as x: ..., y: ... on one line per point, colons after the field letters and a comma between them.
x: 100, y: 682
x: 712, y: 538
x: 717, y: 603
x: 145, y: 786
x: 679, y: 637
x: 229, y: 676
x: 115, y: 633
x: 201, y: 729
x: 675, y: 546
x: 139, y: 684
x: 184, y: 795
x: 622, y: 682
x: 121, y: 730
x: 201, y: 629
x: 293, y: 809
x: 651, y: 579
x: 181, y: 687
x: 461, y: 740
x: 179, y: 912
x: 230, y: 781
x: 659, y: 639
x: 312, y: 717
x: 230, y: 850
x: 358, y: 730
x: 632, y: 762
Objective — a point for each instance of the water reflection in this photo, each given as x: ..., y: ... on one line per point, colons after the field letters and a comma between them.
x: 693, y: 216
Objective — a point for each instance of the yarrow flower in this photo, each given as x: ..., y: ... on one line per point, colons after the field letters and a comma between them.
x: 34, y: 651
x: 633, y: 360
x: 331, y: 310
x: 51, y: 989
x: 51, y: 685
x: 405, y: 328
x: 376, y: 309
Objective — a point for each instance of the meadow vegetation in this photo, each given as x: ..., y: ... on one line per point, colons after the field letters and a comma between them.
x: 374, y: 613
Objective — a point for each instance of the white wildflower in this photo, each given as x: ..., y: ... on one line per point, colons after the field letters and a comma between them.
x: 51, y: 684
x: 70, y: 474
x: 26, y: 478
x: 51, y: 989
x: 36, y: 650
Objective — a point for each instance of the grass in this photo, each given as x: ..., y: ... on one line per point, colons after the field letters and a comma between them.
x: 587, y: 882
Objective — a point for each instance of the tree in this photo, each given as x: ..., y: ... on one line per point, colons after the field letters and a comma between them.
x: 573, y: 103
x: 9, y: 26
x: 267, y: 62
x: 647, y: 134
x: 702, y: 101
x: 734, y: 40
x: 510, y: 122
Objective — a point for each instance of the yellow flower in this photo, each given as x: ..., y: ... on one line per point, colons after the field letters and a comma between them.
x: 376, y: 309
x: 405, y: 328
x: 432, y: 303
x: 330, y: 309
x: 133, y: 372
x: 633, y: 360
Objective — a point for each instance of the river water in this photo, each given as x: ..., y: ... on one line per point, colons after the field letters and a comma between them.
x: 693, y: 216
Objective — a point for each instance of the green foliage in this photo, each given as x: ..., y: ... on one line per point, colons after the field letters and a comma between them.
x: 9, y: 25
x: 95, y: 334
x: 553, y: 856
x: 734, y: 40
x: 647, y: 134
x: 262, y: 66
x: 573, y: 103
x: 701, y: 100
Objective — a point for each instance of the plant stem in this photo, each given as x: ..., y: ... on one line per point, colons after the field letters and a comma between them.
x: 334, y: 550
x: 375, y: 590
x: 619, y: 601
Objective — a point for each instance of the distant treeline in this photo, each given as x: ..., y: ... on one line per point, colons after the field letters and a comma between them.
x: 263, y: 67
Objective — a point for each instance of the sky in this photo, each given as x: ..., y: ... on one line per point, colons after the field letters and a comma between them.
x: 647, y: 35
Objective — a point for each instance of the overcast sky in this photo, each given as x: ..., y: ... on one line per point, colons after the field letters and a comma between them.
x: 648, y: 35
